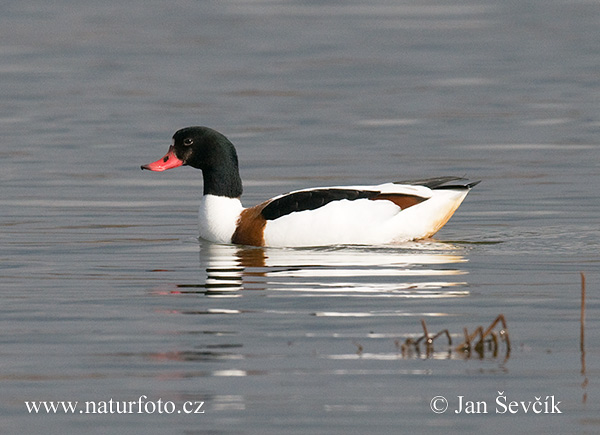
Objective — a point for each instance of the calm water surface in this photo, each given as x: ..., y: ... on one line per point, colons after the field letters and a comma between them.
x: 108, y: 294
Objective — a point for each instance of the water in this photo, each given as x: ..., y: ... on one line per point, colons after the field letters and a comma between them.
x: 107, y: 294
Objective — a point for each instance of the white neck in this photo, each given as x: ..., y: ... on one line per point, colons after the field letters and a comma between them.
x: 218, y: 217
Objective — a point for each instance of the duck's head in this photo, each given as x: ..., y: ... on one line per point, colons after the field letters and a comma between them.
x: 206, y: 149
x: 198, y: 147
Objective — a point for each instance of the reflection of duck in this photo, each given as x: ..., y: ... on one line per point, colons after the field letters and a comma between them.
x: 419, y: 270
x: 230, y: 269
x: 366, y: 215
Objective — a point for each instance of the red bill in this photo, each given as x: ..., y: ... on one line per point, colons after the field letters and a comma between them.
x: 169, y: 161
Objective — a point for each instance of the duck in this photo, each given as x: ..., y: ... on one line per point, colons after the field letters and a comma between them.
x: 381, y: 214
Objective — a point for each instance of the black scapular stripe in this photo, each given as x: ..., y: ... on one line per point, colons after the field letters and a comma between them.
x: 311, y: 200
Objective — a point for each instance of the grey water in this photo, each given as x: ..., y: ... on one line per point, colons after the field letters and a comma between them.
x: 107, y: 294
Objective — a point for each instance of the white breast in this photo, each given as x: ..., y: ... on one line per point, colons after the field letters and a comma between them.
x: 218, y: 216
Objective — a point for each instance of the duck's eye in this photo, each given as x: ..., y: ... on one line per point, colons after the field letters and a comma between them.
x: 187, y: 142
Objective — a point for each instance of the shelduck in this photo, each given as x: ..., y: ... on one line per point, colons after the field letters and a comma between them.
x: 341, y: 215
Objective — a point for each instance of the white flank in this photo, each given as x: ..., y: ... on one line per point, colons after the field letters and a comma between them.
x: 218, y: 216
x: 365, y: 221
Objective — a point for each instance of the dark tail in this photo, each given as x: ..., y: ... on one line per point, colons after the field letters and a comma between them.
x: 442, y: 183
